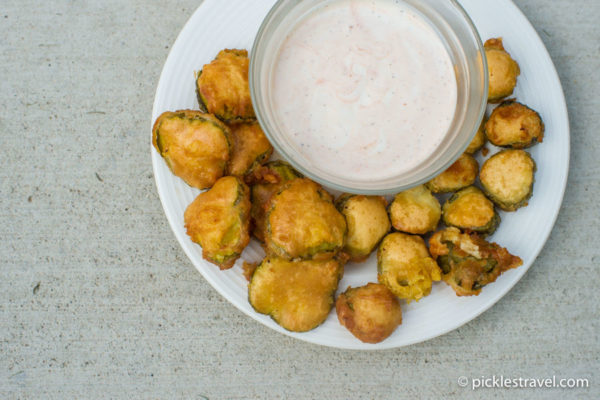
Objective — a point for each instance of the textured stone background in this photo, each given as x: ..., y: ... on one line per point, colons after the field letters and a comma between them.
x: 97, y: 300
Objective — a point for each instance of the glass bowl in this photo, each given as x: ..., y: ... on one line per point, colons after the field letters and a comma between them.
x: 464, y: 46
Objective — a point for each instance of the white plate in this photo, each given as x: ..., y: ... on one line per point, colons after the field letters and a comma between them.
x: 218, y: 24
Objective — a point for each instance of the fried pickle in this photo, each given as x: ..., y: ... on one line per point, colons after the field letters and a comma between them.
x: 415, y: 211
x: 222, y: 87
x: 405, y: 266
x: 367, y: 221
x: 298, y: 295
x: 502, y: 70
x: 250, y: 148
x: 507, y: 178
x: 468, y: 262
x: 302, y: 222
x: 371, y: 313
x: 514, y: 125
x: 478, y: 141
x: 265, y: 182
x: 219, y: 221
x: 471, y: 210
x: 195, y: 146
x: 461, y: 174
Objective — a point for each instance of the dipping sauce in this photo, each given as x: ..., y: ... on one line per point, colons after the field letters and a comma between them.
x: 364, y: 89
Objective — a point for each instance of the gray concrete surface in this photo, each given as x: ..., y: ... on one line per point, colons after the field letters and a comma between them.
x: 97, y: 300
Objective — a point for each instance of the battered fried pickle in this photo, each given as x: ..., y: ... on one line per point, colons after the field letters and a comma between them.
x: 514, y: 125
x: 468, y: 262
x: 250, y: 148
x: 478, y: 141
x: 302, y: 222
x: 461, y: 174
x: 470, y: 210
x: 298, y: 295
x: 265, y: 181
x: 415, y: 211
x: 507, y: 178
x: 222, y: 87
x: 502, y: 70
x: 367, y: 222
x: 194, y: 145
x: 371, y: 312
x: 405, y: 266
x: 219, y: 221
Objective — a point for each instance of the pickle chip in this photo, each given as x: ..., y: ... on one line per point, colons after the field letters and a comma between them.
x: 472, y: 211
x: 222, y: 87
x: 415, y: 211
x: 405, y: 266
x: 371, y: 312
x: 514, y: 125
x: 250, y: 148
x: 265, y: 181
x: 502, y: 70
x: 367, y: 221
x: 302, y: 222
x: 461, y: 174
x: 507, y: 178
x: 194, y: 145
x: 298, y: 295
x: 219, y: 221
x: 468, y: 262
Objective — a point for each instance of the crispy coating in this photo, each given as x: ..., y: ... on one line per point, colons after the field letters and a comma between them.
x: 371, y: 313
x: 470, y: 210
x: 219, y: 221
x: 514, y: 125
x: 222, y: 87
x: 195, y: 146
x: 502, y: 70
x: 405, y: 266
x: 461, y: 174
x: 250, y: 148
x: 266, y: 181
x: 367, y: 221
x: 478, y: 141
x: 415, y: 211
x: 507, y: 178
x: 302, y: 222
x: 468, y: 262
x: 298, y: 295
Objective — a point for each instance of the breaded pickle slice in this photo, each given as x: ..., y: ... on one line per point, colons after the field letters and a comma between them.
x: 194, y: 145
x: 219, y: 221
x: 367, y: 221
x: 471, y: 210
x: 514, y: 125
x: 250, y: 148
x: 405, y: 266
x: 478, y: 141
x: 222, y: 87
x: 415, y: 211
x: 507, y: 178
x: 502, y: 70
x: 298, y: 295
x: 468, y: 262
x: 266, y: 181
x: 371, y: 312
x: 302, y: 222
x: 461, y: 174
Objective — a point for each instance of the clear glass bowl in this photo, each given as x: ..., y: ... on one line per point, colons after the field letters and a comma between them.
x: 465, y: 48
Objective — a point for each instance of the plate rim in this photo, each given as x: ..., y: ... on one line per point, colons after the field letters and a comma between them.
x: 174, y: 225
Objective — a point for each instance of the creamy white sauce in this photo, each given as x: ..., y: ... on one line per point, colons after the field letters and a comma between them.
x: 364, y: 89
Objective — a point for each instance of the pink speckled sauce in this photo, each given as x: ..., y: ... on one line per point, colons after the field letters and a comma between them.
x: 364, y: 88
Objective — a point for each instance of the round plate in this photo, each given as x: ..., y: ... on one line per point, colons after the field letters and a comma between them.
x: 218, y: 24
